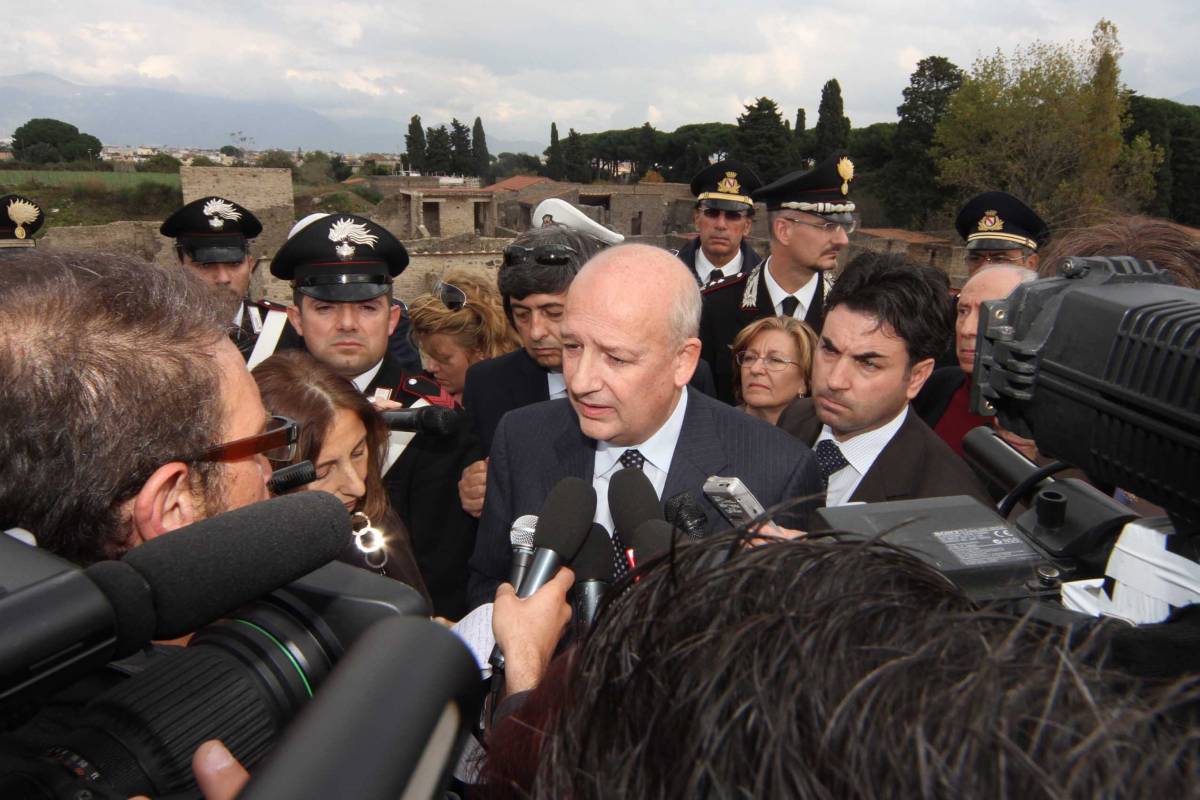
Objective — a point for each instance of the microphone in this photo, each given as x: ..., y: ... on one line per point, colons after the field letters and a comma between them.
x: 433, y: 420
x: 521, y: 539
x: 593, y: 575
x: 632, y: 501
x: 288, y: 478
x: 685, y: 513
x: 165, y: 588
x: 561, y: 528
x: 650, y: 540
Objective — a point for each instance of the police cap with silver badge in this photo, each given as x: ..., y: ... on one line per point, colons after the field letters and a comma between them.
x: 341, y: 258
x: 20, y: 219
x: 726, y: 185
x: 823, y: 190
x: 999, y: 221
x: 212, y: 230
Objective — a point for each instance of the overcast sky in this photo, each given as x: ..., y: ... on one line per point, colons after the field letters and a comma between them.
x: 591, y: 66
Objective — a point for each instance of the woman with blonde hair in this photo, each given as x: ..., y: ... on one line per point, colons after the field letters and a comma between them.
x: 772, y: 365
x: 346, y: 440
x: 460, y: 322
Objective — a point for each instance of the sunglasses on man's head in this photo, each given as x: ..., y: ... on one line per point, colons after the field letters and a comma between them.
x: 451, y: 296
x: 545, y: 254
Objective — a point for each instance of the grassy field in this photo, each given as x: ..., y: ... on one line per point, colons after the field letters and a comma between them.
x: 95, y: 198
x: 34, y: 178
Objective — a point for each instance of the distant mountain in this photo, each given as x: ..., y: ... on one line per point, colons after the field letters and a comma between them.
x: 1191, y: 97
x: 161, y: 117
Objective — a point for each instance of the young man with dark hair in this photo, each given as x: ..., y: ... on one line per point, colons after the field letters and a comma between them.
x: 885, y: 323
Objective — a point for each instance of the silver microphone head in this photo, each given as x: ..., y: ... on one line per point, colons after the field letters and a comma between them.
x: 521, y: 534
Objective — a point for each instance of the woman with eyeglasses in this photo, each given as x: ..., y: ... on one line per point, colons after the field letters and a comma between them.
x: 772, y: 365
x: 459, y: 323
x: 346, y: 440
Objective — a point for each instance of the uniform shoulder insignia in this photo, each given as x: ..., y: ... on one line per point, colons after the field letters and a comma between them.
x: 269, y: 305
x: 426, y: 389
x: 734, y: 280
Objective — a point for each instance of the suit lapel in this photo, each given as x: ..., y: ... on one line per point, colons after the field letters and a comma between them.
x: 698, y: 454
x: 894, y: 472
x: 815, y: 316
x: 576, y: 453
x: 534, y: 387
x: 765, y: 307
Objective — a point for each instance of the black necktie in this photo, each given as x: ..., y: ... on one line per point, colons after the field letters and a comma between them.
x: 630, y: 459
x: 829, y: 459
x: 789, y: 306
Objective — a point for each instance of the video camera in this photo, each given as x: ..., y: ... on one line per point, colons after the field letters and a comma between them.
x: 241, y: 679
x: 1101, y: 367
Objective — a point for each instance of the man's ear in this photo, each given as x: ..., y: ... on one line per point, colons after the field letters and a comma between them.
x: 164, y: 503
x: 917, y: 377
x: 293, y: 314
x: 686, y: 360
x: 393, y: 317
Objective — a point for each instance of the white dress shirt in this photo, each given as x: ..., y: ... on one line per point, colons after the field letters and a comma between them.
x: 804, y: 294
x: 705, y: 268
x: 657, y: 450
x: 861, y: 451
x: 557, y: 385
x: 361, y: 382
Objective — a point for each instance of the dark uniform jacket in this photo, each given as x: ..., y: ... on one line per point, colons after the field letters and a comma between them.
x: 423, y: 489
x: 537, y: 446
x: 514, y: 380
x: 731, y: 305
x: 916, y: 463
x: 687, y: 254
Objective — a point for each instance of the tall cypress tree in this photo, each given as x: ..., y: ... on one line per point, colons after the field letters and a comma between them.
x: 439, y: 156
x: 462, y: 161
x: 414, y: 144
x: 556, y: 167
x: 832, y: 132
x: 479, y: 152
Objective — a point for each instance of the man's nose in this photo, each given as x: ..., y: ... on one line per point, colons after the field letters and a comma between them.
x: 347, y: 319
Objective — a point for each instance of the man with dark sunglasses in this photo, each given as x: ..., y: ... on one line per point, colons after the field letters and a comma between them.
x: 811, y: 216
x: 723, y: 216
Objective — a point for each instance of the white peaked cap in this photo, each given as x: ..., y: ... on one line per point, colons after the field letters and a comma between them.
x: 564, y: 213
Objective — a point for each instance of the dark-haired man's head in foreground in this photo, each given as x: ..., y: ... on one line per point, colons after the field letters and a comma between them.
x: 823, y: 669
x: 117, y: 382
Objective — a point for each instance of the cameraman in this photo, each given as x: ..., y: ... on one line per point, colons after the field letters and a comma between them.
x: 120, y: 394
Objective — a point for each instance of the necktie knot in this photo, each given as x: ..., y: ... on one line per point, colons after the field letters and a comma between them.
x: 632, y: 459
x: 829, y: 459
x: 789, y: 306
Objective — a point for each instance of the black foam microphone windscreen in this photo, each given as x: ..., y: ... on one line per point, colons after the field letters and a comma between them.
x: 651, y: 539
x: 632, y: 501
x: 432, y: 420
x: 206, y: 570
x: 593, y: 562
x: 565, y: 518
x: 286, y: 479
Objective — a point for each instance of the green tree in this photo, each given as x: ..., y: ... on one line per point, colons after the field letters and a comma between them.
x: 647, y: 149
x: 340, y: 169
x: 64, y: 142
x: 909, y: 188
x: 1040, y: 124
x: 872, y: 146
x: 556, y: 167
x: 462, y: 161
x: 439, y: 155
x: 414, y: 144
x: 231, y: 151
x: 277, y: 159
x: 204, y: 161
x: 316, y: 169
x: 479, y: 152
x: 509, y: 164
x: 801, y: 121
x: 832, y: 131
x: 575, y: 158
x: 1175, y: 129
x: 160, y: 162
x: 762, y: 140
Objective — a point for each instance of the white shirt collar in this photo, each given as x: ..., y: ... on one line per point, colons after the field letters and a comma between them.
x: 557, y: 384
x: 705, y: 268
x: 363, y: 381
x: 237, y: 318
x: 804, y: 294
x: 657, y: 450
x: 862, y: 450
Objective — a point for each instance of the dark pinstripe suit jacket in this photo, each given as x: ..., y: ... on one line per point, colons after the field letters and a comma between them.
x: 537, y: 446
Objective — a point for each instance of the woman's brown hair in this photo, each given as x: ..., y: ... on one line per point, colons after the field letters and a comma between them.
x: 803, y: 335
x: 296, y: 385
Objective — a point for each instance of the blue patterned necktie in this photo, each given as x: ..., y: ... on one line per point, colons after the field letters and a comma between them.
x: 829, y: 459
